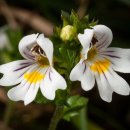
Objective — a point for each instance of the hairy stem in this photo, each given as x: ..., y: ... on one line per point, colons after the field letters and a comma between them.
x: 56, y: 117
x: 83, y: 120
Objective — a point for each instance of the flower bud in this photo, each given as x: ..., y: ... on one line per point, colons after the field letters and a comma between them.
x: 67, y: 33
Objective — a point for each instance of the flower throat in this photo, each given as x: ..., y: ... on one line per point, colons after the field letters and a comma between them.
x: 40, y: 55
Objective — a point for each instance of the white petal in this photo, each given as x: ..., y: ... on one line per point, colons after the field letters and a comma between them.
x: 13, y: 71
x: 77, y: 71
x: 31, y: 93
x: 87, y: 80
x: 85, y: 39
x: 120, y: 59
x: 26, y: 91
x: 26, y: 44
x: 117, y: 83
x: 47, y: 46
x: 47, y: 91
x: 105, y: 90
x: 103, y: 35
x: 52, y: 81
x: 18, y: 93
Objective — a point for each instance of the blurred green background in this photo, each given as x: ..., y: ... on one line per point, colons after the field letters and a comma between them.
x: 21, y: 17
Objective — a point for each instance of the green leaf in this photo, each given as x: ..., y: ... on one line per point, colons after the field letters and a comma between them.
x: 74, y: 18
x: 65, y: 15
x: 73, y: 107
x: 68, y: 117
x: 61, y: 97
x: 57, y: 31
x: 85, y: 19
x: 65, y: 18
x: 68, y: 58
x: 93, y: 23
x: 77, y: 100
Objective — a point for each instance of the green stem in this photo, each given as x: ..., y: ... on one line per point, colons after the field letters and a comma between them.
x: 83, y: 119
x: 56, y: 117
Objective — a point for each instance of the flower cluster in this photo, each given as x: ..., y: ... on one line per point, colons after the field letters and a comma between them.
x: 97, y: 62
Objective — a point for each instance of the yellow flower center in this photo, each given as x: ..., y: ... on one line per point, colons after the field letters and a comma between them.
x: 100, y: 66
x: 42, y: 61
x: 91, y: 54
x: 34, y: 76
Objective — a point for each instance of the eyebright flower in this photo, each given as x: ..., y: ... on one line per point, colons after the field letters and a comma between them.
x: 33, y: 72
x: 100, y: 63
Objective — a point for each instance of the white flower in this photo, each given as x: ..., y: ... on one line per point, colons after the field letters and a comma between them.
x: 99, y: 62
x: 33, y: 72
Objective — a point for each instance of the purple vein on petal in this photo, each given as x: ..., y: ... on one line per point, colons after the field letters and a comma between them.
x: 110, y: 51
x: 23, y: 73
x: 28, y: 55
x: 110, y: 55
x: 21, y: 68
x: 101, y: 45
x: 104, y: 44
x: 101, y: 37
x: 27, y: 48
x: 50, y: 76
x: 84, y: 68
x: 26, y: 63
